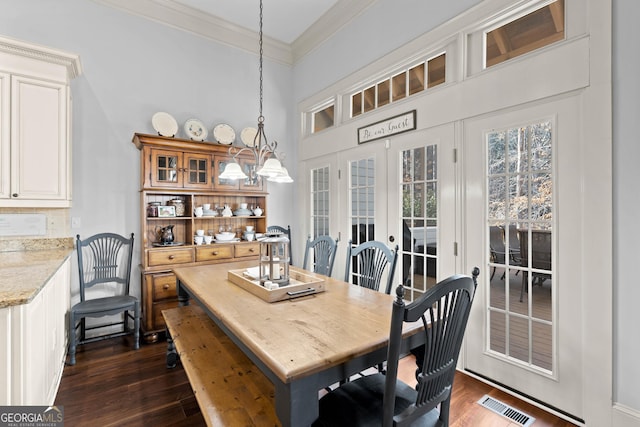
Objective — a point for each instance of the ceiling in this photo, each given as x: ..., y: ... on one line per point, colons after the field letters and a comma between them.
x: 291, y: 28
x: 277, y: 14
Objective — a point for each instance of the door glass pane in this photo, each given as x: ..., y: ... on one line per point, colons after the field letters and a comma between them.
x: 197, y: 171
x: 520, y: 241
x: 320, y: 201
x: 362, y: 190
x: 167, y: 170
x: 419, y: 191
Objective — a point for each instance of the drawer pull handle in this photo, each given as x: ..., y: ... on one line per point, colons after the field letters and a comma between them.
x: 251, y: 250
x: 215, y: 252
x: 165, y: 287
x: 172, y: 256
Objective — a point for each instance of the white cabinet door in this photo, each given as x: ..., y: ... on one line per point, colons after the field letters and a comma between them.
x: 34, y: 338
x: 39, y: 149
x: 5, y: 123
x: 5, y: 356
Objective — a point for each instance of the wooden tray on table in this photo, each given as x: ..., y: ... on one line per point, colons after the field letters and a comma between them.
x: 301, y: 283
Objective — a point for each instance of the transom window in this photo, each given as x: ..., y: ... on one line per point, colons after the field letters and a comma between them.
x: 525, y: 34
x: 323, y: 119
x: 400, y: 85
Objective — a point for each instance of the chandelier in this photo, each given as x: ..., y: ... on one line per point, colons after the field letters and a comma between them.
x: 267, y: 160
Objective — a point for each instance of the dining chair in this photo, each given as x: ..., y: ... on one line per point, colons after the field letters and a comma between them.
x: 370, y: 260
x: 497, y: 248
x: 383, y: 399
x: 514, y: 245
x: 322, y: 252
x: 540, y: 256
x: 104, y: 259
x: 287, y: 231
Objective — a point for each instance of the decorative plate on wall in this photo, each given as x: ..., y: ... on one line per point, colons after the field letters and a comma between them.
x: 248, y: 136
x: 164, y: 124
x: 195, y: 130
x: 224, y: 134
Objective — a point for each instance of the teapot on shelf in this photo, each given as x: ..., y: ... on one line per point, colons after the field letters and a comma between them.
x: 198, y: 211
x: 166, y: 235
x: 257, y: 211
x: 227, y: 211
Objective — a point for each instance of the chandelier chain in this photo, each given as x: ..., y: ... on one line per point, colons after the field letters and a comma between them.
x: 260, y: 117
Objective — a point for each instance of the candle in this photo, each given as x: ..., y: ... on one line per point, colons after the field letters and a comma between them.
x: 275, y: 269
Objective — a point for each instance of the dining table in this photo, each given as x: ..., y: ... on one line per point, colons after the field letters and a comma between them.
x: 304, y: 344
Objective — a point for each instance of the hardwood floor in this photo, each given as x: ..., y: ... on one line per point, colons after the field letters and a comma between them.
x: 113, y: 385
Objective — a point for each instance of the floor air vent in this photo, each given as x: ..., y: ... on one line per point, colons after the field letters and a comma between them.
x: 506, y: 411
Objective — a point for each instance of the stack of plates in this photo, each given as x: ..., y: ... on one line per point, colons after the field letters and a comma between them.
x: 242, y: 212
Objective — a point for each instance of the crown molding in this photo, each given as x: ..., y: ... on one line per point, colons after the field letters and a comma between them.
x: 184, y: 18
x: 70, y: 61
x: 176, y: 15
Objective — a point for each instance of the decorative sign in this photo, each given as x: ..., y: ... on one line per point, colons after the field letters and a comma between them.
x: 385, y: 128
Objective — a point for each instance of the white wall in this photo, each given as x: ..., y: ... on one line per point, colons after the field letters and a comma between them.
x: 132, y: 68
x: 626, y: 204
x: 381, y: 28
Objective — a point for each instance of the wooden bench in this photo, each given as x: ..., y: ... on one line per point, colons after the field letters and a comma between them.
x: 229, y: 388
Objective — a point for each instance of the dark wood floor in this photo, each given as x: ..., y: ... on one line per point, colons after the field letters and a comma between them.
x: 113, y: 385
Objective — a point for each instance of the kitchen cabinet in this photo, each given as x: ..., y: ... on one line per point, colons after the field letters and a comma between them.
x: 33, y: 355
x: 173, y: 168
x: 35, y: 110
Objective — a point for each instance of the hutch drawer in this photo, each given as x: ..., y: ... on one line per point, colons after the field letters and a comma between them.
x: 247, y: 250
x: 213, y: 252
x: 171, y: 256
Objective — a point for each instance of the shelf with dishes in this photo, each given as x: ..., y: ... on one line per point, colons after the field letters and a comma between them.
x: 178, y: 217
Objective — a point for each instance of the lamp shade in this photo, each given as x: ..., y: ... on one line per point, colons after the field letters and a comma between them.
x: 271, y: 167
x: 283, y: 177
x: 232, y: 171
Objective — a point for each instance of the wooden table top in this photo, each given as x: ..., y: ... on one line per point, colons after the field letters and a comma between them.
x: 299, y: 337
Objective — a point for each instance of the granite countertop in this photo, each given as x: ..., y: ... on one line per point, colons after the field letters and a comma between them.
x: 25, y: 270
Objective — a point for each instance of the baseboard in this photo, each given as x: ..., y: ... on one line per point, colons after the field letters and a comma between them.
x: 623, y: 416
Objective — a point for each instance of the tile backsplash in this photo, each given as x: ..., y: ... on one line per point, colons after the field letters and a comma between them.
x: 57, y: 222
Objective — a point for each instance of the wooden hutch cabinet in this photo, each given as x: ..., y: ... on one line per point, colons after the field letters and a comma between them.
x: 171, y: 169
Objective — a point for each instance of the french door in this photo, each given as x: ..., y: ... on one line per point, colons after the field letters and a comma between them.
x: 521, y: 177
x: 400, y: 192
x: 422, y: 206
x: 363, y: 199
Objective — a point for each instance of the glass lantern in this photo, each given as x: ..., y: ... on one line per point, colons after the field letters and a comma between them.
x: 274, y: 259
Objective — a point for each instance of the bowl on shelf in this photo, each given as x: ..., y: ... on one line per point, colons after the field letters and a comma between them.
x: 225, y: 236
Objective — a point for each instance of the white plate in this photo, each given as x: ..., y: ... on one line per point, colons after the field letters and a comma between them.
x: 248, y: 135
x: 224, y: 134
x: 164, y: 124
x: 235, y: 239
x: 195, y: 130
